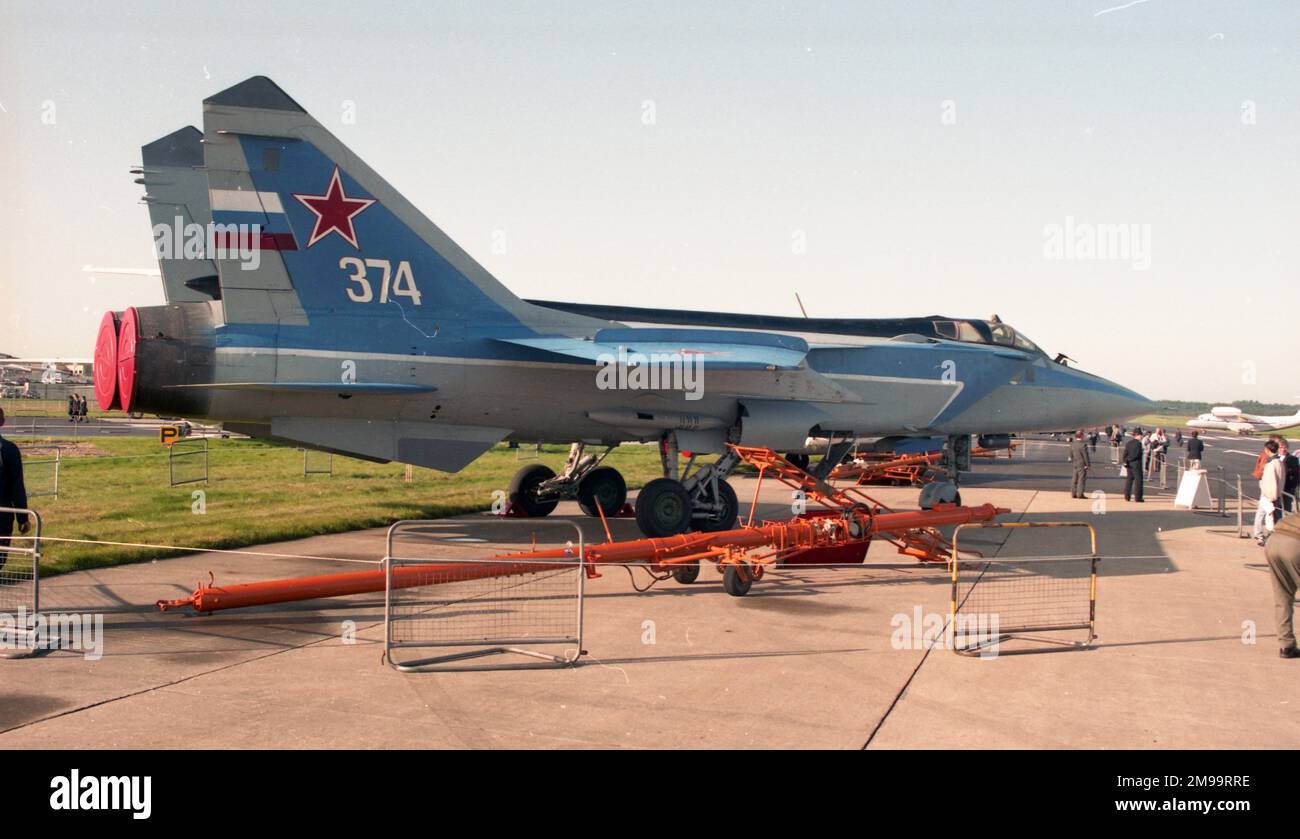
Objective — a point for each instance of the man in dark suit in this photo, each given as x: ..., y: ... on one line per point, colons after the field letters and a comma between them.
x: 1195, y: 450
x: 1133, y: 468
x: 13, y: 492
x: 1082, y: 462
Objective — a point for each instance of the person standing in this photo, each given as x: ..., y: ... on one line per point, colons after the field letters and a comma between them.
x: 1092, y: 440
x: 1283, y: 555
x: 1291, y: 475
x: 13, y: 493
x: 1264, y: 456
x: 1195, y: 450
x: 1133, y: 456
x: 1159, y: 449
x: 1271, y: 480
x: 72, y: 407
x: 1082, y: 463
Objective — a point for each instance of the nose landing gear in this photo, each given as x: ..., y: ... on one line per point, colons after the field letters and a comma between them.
x: 685, y: 500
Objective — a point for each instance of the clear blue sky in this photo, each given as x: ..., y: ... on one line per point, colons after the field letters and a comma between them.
x: 771, y: 122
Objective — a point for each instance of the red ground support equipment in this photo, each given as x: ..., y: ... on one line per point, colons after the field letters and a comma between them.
x: 890, y: 470
x: 840, y: 532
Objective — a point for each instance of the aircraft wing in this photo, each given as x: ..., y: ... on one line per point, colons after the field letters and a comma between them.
x: 715, y: 348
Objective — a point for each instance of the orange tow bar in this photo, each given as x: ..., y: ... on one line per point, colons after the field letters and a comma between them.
x: 212, y: 597
x: 840, y: 532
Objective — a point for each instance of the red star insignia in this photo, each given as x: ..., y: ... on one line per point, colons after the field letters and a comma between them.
x: 334, y: 212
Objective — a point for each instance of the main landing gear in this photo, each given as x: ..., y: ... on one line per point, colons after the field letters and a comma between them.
x: 676, y: 503
x: 536, y: 490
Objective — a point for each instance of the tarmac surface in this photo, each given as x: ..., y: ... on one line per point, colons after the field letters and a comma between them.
x: 29, y: 430
x: 811, y: 658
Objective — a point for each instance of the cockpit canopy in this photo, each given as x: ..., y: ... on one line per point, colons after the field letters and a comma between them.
x: 984, y: 332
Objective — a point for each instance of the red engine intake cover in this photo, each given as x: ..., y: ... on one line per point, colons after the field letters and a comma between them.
x: 106, y: 363
x: 127, y: 336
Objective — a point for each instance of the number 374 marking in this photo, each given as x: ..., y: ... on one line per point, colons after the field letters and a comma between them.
x: 399, y: 283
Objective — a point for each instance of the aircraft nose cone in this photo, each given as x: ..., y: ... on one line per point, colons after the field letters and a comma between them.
x: 1116, y: 403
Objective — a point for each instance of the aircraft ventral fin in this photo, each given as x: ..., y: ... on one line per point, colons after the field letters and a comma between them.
x: 714, y: 348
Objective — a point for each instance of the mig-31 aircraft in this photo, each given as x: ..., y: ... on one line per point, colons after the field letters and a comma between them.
x: 310, y: 303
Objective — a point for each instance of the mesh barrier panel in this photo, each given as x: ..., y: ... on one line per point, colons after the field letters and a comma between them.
x: 19, y: 581
x: 317, y: 463
x: 468, y: 607
x: 187, y: 462
x: 41, y: 472
x: 17, y: 575
x: 458, y: 605
x: 1028, y: 594
x: 1031, y: 586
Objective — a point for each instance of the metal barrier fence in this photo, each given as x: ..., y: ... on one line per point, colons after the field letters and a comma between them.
x: 1157, y: 468
x: 20, y: 583
x: 188, y: 458
x: 1104, y: 451
x: 314, y: 468
x: 42, y: 476
x: 477, y: 608
x: 1290, y: 506
x: 1022, y: 597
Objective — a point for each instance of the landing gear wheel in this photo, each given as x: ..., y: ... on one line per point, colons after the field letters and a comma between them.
x: 523, y: 490
x: 663, y: 508
x: 604, y: 486
x: 737, y: 579
x: 800, y: 460
x: 726, y: 519
x: 686, y: 574
x: 939, y: 492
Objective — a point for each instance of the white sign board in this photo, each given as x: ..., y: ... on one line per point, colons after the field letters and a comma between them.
x: 1194, y: 491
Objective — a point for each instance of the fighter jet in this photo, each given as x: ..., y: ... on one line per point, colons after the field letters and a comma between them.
x: 310, y: 303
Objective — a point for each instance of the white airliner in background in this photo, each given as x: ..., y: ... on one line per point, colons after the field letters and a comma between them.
x: 1226, y: 418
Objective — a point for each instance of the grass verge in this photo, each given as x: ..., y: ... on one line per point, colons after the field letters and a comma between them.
x: 117, y: 490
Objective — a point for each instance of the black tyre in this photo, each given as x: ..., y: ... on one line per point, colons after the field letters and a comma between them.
x: 603, y: 486
x: 800, y: 460
x: 523, y: 490
x: 686, y: 574
x: 663, y: 508
x: 726, y: 519
x: 736, y: 580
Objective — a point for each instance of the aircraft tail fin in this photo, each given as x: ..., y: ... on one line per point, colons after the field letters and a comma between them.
x: 334, y: 237
x: 176, y: 190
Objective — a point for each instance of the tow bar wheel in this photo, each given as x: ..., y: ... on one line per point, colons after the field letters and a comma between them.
x: 737, y: 579
x: 687, y: 573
